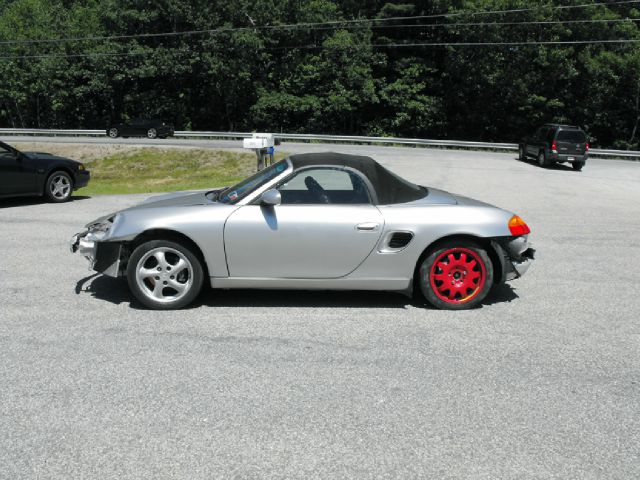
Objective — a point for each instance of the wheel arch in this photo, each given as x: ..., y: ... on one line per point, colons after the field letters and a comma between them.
x: 51, y: 171
x: 487, y: 243
x: 173, y: 236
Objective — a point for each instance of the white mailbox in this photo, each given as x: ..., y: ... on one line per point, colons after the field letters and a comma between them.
x: 259, y: 141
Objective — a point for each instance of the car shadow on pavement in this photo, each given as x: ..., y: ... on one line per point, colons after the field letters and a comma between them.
x: 555, y: 166
x: 501, y: 293
x: 26, y: 201
x: 116, y: 291
x: 113, y: 290
x: 303, y: 298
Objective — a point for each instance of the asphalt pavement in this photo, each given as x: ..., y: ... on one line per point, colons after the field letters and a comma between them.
x: 542, y: 381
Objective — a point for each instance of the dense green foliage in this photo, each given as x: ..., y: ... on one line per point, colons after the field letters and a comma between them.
x: 254, y: 73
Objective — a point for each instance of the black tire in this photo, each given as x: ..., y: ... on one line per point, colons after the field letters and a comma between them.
x: 152, y: 133
x: 143, y: 285
x: 542, y: 159
x: 467, y: 292
x: 113, y: 133
x: 58, y: 187
x: 577, y: 166
x: 521, y: 155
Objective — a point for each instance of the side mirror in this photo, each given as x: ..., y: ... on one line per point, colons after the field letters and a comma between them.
x: 271, y: 198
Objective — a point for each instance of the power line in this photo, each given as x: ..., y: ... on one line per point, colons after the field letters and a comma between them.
x: 73, y: 55
x: 346, y: 47
x: 336, y: 23
x: 466, y: 44
x: 495, y: 24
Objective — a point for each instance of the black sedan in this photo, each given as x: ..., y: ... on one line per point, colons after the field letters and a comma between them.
x: 141, y: 127
x: 36, y: 173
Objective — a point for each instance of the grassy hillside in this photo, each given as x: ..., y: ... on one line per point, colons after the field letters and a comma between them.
x: 156, y: 170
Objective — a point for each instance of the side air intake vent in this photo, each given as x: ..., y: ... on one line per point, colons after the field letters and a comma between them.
x: 400, y: 239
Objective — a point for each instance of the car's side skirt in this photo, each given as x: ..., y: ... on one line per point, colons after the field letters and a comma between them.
x: 29, y: 194
x: 390, y: 284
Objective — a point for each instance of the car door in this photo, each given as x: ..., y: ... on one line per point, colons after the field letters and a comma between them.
x: 17, y: 172
x: 325, y: 227
x: 533, y: 144
x: 136, y: 127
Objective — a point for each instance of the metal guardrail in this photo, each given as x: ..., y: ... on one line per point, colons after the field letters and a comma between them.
x: 319, y: 138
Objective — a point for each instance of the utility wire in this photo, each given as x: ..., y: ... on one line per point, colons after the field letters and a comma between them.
x: 73, y: 55
x: 310, y: 25
x: 346, y: 47
x: 486, y: 24
x: 464, y: 44
x: 498, y: 24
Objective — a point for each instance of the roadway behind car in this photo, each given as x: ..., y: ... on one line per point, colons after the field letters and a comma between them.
x: 542, y: 381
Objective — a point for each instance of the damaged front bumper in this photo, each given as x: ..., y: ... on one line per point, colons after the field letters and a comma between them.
x: 516, y: 256
x: 103, y: 257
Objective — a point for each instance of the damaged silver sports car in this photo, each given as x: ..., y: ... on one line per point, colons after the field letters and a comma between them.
x: 321, y: 221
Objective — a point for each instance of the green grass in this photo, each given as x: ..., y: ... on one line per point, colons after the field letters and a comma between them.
x: 152, y: 170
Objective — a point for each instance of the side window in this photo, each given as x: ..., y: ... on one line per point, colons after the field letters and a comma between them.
x: 5, y: 153
x: 324, y: 186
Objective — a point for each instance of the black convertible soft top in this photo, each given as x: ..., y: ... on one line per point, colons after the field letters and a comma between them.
x: 389, y: 187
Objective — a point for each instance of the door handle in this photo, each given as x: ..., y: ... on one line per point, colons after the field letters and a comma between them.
x: 367, y: 227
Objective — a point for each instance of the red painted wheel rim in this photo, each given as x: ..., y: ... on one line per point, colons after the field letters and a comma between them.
x: 457, y: 275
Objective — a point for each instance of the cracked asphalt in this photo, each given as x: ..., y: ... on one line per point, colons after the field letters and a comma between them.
x: 542, y: 381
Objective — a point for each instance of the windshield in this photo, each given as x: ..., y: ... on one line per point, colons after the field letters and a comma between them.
x: 245, y: 187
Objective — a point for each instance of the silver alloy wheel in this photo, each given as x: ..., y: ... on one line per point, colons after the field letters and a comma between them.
x: 113, y: 133
x: 152, y: 133
x: 164, y: 275
x: 60, y: 187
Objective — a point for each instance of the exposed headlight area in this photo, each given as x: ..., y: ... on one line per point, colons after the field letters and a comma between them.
x: 101, y: 227
x: 85, y: 242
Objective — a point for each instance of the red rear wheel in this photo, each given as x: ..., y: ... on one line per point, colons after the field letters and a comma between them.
x: 456, y: 276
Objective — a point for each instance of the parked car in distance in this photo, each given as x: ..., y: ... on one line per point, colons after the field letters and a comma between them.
x: 322, y: 221
x: 553, y: 143
x: 37, y: 173
x: 141, y: 127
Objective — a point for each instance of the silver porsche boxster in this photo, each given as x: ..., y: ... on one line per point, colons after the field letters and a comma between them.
x: 313, y: 221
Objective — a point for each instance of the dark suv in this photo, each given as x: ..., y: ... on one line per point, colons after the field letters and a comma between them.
x: 554, y: 143
x: 141, y: 127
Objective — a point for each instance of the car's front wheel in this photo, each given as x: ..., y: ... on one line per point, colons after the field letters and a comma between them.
x: 457, y: 275
x: 164, y: 275
x: 152, y: 133
x: 521, y: 155
x: 113, y: 133
x: 59, y: 187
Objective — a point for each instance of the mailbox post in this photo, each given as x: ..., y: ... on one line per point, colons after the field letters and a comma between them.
x: 263, y: 145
